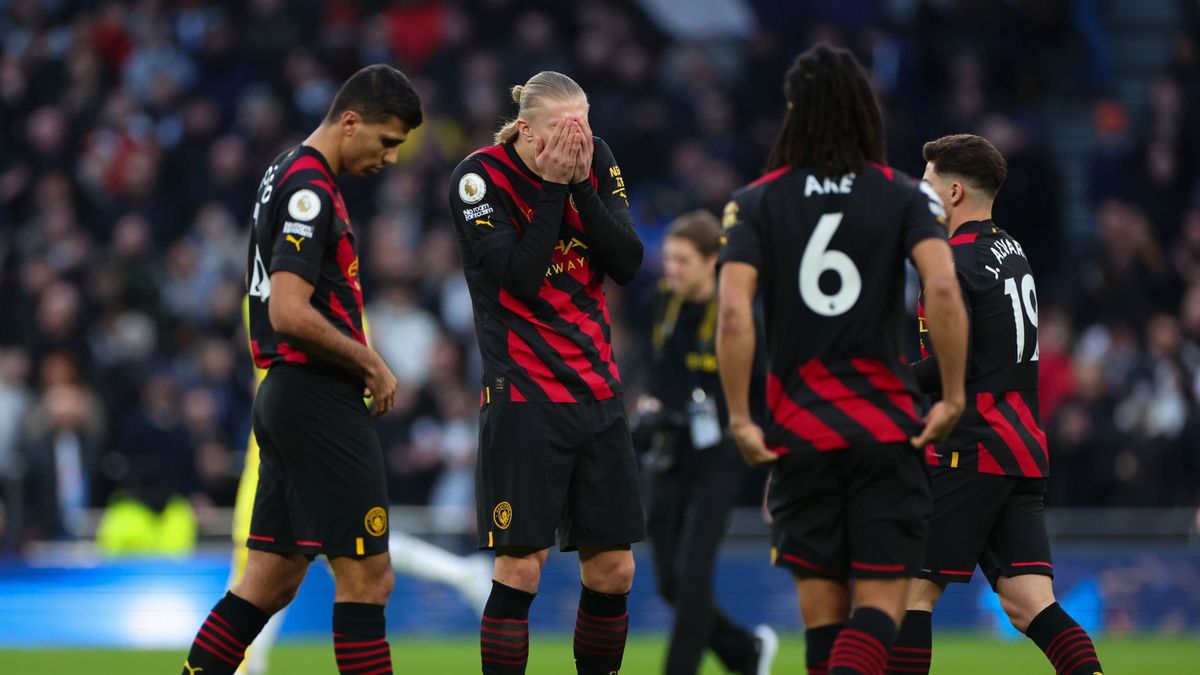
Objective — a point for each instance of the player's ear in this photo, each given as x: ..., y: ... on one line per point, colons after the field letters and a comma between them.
x: 524, y: 130
x: 350, y: 121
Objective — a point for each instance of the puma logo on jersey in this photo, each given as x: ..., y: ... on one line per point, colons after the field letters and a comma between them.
x: 295, y: 241
x: 487, y: 222
x: 192, y: 670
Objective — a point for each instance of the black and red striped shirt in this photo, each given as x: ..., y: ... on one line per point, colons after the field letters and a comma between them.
x: 1000, y: 431
x: 535, y: 255
x: 830, y: 258
x: 300, y: 225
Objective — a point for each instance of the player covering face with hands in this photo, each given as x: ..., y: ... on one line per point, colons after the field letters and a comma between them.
x: 542, y: 220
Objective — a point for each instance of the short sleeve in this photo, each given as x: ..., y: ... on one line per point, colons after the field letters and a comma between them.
x: 741, y: 240
x: 478, y: 212
x: 301, y: 228
x: 924, y: 216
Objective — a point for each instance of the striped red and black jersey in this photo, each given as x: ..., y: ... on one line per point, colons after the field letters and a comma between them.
x: 300, y: 225
x: 830, y: 257
x: 1000, y: 431
x: 551, y: 342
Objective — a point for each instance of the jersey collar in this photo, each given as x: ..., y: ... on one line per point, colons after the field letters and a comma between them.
x: 313, y: 152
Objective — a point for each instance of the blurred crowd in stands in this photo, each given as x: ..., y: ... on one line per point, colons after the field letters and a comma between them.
x: 133, y: 135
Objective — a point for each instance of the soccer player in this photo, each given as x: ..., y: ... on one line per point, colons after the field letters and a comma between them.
x: 695, y: 471
x: 542, y: 219
x: 824, y: 235
x: 321, y: 484
x: 470, y: 576
x: 989, y: 477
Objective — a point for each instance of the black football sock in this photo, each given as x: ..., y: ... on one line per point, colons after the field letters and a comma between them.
x: 504, y: 631
x: 818, y: 643
x: 914, y: 645
x: 221, y: 643
x: 862, y: 645
x: 1066, y: 643
x: 359, y: 639
x: 600, y: 629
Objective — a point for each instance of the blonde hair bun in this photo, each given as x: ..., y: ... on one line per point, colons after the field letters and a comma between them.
x: 516, y: 92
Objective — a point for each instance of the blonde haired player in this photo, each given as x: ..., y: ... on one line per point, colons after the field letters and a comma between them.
x: 471, y: 576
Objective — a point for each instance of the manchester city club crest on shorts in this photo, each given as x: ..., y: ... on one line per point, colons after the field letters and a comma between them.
x: 502, y: 515
x: 376, y: 521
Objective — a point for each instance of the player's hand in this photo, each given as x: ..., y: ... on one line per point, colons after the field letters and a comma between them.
x: 381, y: 384
x: 938, y: 423
x: 749, y: 439
x: 556, y: 156
x: 583, y: 163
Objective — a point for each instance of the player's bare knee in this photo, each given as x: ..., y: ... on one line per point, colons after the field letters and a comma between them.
x: 923, y: 595
x: 520, y: 572
x: 611, y: 573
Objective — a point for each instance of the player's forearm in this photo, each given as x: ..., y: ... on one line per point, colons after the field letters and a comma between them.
x: 927, y: 374
x: 526, y: 267
x: 735, y: 358
x: 301, y: 323
x: 947, y: 321
x: 614, y: 241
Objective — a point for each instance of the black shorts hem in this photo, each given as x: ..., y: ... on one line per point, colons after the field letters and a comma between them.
x: 993, y: 575
x: 483, y: 545
x: 802, y: 568
x: 943, y: 578
x: 309, y: 552
x: 569, y: 546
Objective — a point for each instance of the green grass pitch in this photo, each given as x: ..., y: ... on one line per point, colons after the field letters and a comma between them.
x: 438, y: 656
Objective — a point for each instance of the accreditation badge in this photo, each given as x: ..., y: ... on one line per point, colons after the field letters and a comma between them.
x: 703, y: 420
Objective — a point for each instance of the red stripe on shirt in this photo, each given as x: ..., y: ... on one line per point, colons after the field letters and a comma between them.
x: 887, y: 381
x: 291, y: 354
x: 987, y: 463
x: 868, y: 415
x: 501, y: 181
x: 770, y: 176
x: 999, y: 424
x: 306, y: 162
x: 523, y: 355
x: 799, y: 421
x: 1031, y: 425
x: 498, y: 153
x: 963, y: 239
x: 887, y: 171
x: 585, y: 323
x: 570, y: 352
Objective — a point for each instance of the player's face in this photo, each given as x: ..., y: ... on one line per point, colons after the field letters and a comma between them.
x: 684, y: 267
x: 940, y: 184
x: 541, y: 123
x: 369, y: 148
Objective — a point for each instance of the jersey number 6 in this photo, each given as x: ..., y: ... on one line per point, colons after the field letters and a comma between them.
x: 819, y: 258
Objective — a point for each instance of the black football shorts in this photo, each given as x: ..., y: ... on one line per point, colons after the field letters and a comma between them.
x: 862, y: 512
x: 557, y: 467
x: 321, y: 483
x: 997, y: 522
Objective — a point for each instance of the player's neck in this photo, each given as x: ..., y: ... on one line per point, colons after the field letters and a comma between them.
x: 525, y: 152
x: 325, y: 141
x: 969, y: 214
